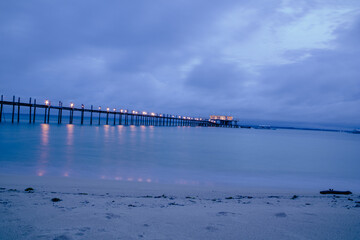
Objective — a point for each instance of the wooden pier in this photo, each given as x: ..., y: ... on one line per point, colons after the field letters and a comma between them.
x: 113, y: 116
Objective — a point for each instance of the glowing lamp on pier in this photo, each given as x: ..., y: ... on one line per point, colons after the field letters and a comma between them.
x: 160, y: 115
x: 172, y: 116
x: 126, y: 111
x: 99, y: 107
x: 47, y: 103
x: 184, y: 117
x: 114, y: 109
x: 107, y: 109
x: 72, y: 105
x: 144, y: 113
x: 152, y: 114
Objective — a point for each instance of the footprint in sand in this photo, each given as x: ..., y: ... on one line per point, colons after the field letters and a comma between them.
x: 111, y: 216
x: 62, y: 237
x: 281, y: 214
x: 211, y: 228
x: 225, y: 214
x: 84, y: 229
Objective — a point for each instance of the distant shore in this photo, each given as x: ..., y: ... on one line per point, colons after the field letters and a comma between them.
x: 65, y: 208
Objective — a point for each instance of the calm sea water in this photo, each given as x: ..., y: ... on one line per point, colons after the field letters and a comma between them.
x: 183, y: 155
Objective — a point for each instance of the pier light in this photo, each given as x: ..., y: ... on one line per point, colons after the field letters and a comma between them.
x: 133, y: 112
x: 200, y: 119
x: 114, y: 109
x: 152, y: 114
x: 179, y: 117
x: 107, y: 109
x: 126, y: 111
x: 71, y: 105
x: 99, y: 107
x: 47, y: 103
x: 121, y: 110
x: 173, y: 116
x: 160, y: 115
x: 144, y: 113
x: 188, y: 118
x: 136, y: 112
x: 184, y: 117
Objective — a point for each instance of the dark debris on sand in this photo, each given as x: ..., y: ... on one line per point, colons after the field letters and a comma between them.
x: 29, y: 190
x: 294, y: 197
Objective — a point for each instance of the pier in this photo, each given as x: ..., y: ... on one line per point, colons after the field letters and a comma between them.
x: 112, y: 116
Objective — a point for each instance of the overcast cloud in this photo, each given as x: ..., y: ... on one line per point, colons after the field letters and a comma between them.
x: 266, y: 60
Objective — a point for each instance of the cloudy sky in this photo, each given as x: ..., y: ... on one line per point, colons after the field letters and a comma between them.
x: 265, y: 60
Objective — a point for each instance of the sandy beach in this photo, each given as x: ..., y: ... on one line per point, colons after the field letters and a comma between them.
x: 65, y: 208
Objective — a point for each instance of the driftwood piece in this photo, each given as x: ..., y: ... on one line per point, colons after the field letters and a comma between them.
x: 331, y: 191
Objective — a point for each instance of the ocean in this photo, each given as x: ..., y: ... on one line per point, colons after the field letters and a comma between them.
x: 200, y: 156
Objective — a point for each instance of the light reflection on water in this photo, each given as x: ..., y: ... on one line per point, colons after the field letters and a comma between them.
x: 70, y: 134
x: 43, y: 150
x: 45, y: 134
x: 69, y: 157
x: 181, y: 155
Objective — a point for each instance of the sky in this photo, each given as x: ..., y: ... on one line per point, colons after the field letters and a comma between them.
x: 293, y: 61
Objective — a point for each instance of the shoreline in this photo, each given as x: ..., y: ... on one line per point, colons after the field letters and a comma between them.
x: 106, y: 209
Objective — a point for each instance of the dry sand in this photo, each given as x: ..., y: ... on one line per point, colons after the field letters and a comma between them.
x: 101, y: 209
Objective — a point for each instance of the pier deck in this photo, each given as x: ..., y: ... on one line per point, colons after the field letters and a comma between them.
x: 114, y: 117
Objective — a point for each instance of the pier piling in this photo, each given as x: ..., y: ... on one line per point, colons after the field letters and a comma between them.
x: 71, y: 115
x: 34, y: 110
x: 13, y: 110
x: 48, y: 115
x: 18, y: 112
x: 45, y: 114
x: 61, y: 110
x: 107, y: 117
x: 91, y: 114
x: 114, y: 117
x: 82, y: 114
x: 30, y: 110
x: 99, y: 114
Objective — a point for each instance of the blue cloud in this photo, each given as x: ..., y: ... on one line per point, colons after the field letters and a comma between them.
x: 270, y: 61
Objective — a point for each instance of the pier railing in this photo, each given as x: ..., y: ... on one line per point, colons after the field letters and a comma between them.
x: 113, y: 116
